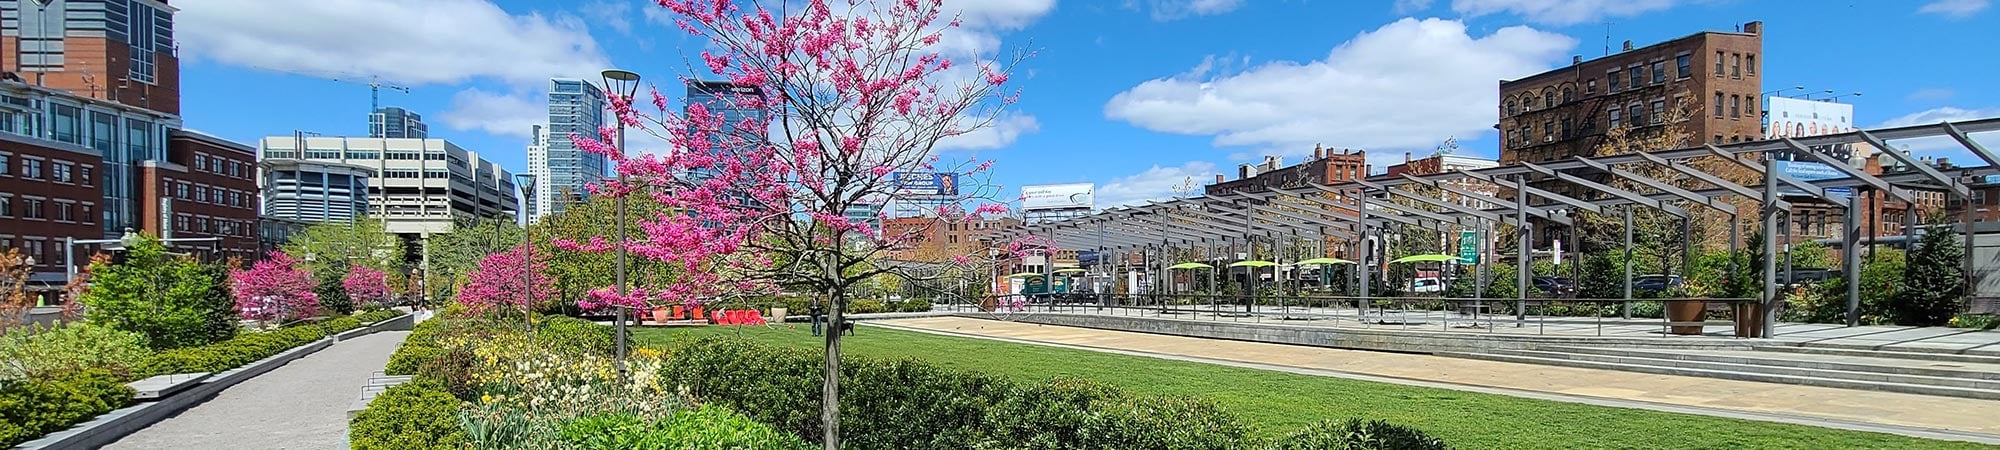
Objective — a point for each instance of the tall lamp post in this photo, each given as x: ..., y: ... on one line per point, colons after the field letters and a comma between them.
x: 527, y: 184
x: 623, y: 84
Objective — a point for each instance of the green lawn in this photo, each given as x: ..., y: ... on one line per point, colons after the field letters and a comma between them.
x: 1275, y: 403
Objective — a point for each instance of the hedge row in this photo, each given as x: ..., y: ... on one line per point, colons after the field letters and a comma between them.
x: 410, y: 416
x: 30, y: 409
x: 249, y: 347
x: 706, y: 427
x: 900, y: 404
x: 558, y: 333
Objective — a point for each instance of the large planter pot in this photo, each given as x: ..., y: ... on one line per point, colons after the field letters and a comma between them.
x: 1686, y: 311
x: 778, y: 313
x: 1749, y: 319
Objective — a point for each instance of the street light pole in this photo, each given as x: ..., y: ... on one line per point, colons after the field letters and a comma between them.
x: 625, y: 84
x: 526, y: 182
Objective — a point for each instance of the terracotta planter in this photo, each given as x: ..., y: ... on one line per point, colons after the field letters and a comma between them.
x: 1749, y: 319
x: 1686, y: 311
x: 660, y: 315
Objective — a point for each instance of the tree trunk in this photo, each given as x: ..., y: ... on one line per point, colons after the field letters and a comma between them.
x: 829, y: 411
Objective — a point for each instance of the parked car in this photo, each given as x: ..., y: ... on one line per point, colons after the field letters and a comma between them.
x: 1426, y: 285
x: 1654, y: 284
x: 1557, y: 287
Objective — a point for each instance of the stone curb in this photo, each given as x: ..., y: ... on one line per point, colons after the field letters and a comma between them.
x: 117, y: 424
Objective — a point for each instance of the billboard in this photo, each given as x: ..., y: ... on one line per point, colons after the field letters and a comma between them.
x: 1058, y: 196
x: 938, y: 184
x: 1796, y: 118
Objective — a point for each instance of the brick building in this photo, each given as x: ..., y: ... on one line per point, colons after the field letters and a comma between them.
x: 939, y: 240
x: 205, y: 187
x: 1711, y: 77
x: 48, y: 192
x: 116, y: 50
x: 1325, y: 167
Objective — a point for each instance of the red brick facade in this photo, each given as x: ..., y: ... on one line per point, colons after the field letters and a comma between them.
x: 96, y: 67
x: 212, y: 187
x: 48, y: 191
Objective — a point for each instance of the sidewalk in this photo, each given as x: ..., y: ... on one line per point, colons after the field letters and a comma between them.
x: 1908, y: 414
x: 300, y: 405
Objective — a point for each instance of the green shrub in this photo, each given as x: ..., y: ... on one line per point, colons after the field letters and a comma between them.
x: 36, y: 407
x: 243, y: 349
x: 570, y: 335
x: 865, y: 306
x: 377, y: 315
x: 914, y: 306
x: 899, y: 404
x: 704, y: 428
x: 39, y: 352
x: 172, y: 300
x: 410, y: 416
x: 1974, y: 321
x: 452, y: 370
x: 333, y: 297
x: 1356, y: 434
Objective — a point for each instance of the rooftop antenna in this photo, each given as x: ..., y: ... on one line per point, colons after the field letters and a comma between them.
x: 1607, y: 38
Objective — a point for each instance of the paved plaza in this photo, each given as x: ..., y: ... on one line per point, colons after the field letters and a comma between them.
x: 1878, y: 337
x: 1908, y: 414
x: 301, y: 405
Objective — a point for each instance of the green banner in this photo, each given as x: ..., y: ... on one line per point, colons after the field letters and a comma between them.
x: 1468, y: 247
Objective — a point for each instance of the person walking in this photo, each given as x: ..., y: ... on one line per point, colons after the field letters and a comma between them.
x: 816, y: 312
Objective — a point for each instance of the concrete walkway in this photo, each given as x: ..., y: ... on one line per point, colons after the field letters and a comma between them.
x: 1906, y: 414
x: 302, y: 405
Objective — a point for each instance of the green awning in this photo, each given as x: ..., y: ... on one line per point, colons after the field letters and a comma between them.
x: 1191, y: 265
x: 1024, y: 275
x: 1325, y: 261
x: 1426, y: 258
x: 1253, y: 264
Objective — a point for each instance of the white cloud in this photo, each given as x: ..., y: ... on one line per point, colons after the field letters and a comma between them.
x: 1176, y: 9
x: 1942, y: 146
x: 614, y: 14
x: 1559, y: 12
x: 499, y: 114
x: 413, y: 42
x: 1410, y: 6
x: 1409, y: 84
x: 1156, y: 183
x: 1001, y: 133
x: 1001, y: 15
x: 1956, y: 9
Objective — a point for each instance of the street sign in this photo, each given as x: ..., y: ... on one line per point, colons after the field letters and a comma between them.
x: 1468, y: 247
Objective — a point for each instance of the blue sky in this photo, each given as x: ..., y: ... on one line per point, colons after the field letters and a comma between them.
x: 1134, y: 95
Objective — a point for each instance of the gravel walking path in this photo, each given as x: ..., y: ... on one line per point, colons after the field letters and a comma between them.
x: 302, y: 405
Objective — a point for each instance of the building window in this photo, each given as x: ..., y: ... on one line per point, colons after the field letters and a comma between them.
x: 1590, y: 87
x: 1718, y: 63
x: 6, y: 206
x: 200, y: 192
x: 63, y: 172
x: 34, y: 209
x: 200, y: 162
x: 1512, y: 108
x: 1569, y: 95
x: 1549, y: 98
x: 6, y: 167
x: 1613, y: 76
x: 1718, y: 105
x: 1684, y: 66
x: 181, y: 191
x: 1638, y: 76
x: 68, y: 124
x: 1659, y: 72
x: 87, y: 217
x: 1749, y: 105
x: 1735, y: 106
x: 1718, y: 138
x: 1613, y: 122
x: 1659, y: 111
x: 1548, y: 130
x: 84, y: 174
x: 1750, y: 64
x: 1565, y: 128
x: 65, y: 212
x: 1633, y: 112
x: 1735, y: 65
x: 31, y: 169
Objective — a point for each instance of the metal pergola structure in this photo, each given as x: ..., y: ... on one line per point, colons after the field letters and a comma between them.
x: 1360, y: 212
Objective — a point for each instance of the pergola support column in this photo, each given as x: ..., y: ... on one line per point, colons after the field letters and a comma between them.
x: 1850, y: 258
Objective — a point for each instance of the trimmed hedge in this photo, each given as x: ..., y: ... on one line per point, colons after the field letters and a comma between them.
x: 247, y: 348
x: 898, y: 404
x: 705, y: 428
x: 562, y: 334
x: 1357, y: 434
x: 32, y: 408
x: 409, y: 416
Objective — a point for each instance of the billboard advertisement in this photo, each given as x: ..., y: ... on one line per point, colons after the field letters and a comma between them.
x: 940, y: 184
x: 1058, y: 196
x: 1796, y: 118
x: 1809, y: 171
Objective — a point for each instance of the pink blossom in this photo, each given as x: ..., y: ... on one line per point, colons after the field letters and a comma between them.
x: 507, y: 280
x: 366, y: 286
x: 274, y: 289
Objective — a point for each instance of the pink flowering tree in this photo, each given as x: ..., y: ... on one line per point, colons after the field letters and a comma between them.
x: 507, y: 282
x: 275, y: 289
x: 827, y: 106
x: 366, y: 285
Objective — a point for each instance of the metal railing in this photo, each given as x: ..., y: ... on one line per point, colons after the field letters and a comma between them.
x: 1567, y: 315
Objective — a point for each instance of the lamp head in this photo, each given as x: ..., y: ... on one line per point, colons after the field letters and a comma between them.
x: 623, y: 83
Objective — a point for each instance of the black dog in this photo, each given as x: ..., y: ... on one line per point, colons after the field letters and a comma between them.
x: 847, y: 328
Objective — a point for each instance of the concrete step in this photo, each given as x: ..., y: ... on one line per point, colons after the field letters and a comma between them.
x: 1848, y: 363
x: 1559, y: 359
x: 1869, y: 352
x: 1867, y: 376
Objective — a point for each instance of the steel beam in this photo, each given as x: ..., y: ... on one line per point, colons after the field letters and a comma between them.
x: 1522, y: 188
x: 1615, y: 192
x: 1920, y: 166
x: 1660, y: 185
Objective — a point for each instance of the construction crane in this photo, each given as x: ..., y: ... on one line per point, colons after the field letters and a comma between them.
x: 374, y: 83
